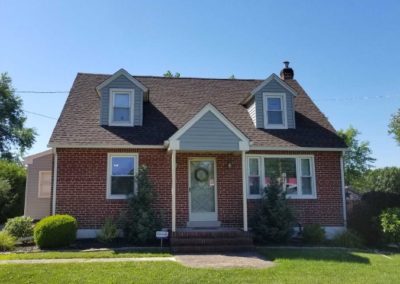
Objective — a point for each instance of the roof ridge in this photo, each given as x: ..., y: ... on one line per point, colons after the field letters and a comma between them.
x: 171, y: 78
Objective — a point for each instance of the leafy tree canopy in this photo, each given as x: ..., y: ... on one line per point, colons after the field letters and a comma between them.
x: 169, y: 74
x: 394, y: 126
x: 14, y: 136
x: 357, y: 159
x: 385, y: 179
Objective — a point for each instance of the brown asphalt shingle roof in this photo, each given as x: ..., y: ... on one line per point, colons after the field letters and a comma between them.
x: 173, y: 102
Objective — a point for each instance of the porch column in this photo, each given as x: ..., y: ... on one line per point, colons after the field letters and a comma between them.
x: 173, y: 189
x: 244, y: 191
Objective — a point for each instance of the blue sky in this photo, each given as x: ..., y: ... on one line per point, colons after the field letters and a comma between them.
x: 344, y: 53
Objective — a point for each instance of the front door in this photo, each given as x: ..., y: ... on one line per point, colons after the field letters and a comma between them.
x: 202, y: 190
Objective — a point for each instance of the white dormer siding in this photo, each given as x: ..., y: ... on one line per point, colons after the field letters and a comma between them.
x: 123, y: 83
x: 275, y: 89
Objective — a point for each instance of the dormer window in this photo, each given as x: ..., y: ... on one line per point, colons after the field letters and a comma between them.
x: 275, y: 111
x: 121, y: 107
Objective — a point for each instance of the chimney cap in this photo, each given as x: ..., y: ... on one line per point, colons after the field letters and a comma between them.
x: 287, y: 73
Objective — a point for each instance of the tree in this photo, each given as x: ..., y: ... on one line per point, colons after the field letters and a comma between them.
x: 386, y: 180
x: 141, y: 221
x: 273, y: 221
x: 169, y: 74
x: 357, y: 159
x: 232, y: 76
x: 12, y: 189
x: 13, y: 134
x: 394, y: 126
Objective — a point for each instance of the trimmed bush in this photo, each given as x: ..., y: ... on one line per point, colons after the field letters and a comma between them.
x: 313, y: 234
x: 348, y: 239
x: 108, y: 232
x: 390, y: 222
x: 20, y: 227
x: 55, y: 231
x: 7, y: 241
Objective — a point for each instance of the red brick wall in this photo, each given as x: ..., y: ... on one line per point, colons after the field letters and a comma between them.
x: 82, y: 178
x: 81, y: 187
x: 327, y: 209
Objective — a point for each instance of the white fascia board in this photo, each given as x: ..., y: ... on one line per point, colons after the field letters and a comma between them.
x: 267, y: 148
x: 116, y: 75
x: 57, y: 145
x: 208, y: 108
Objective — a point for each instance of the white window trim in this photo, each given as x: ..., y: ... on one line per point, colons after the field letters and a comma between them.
x: 40, y: 193
x: 260, y: 173
x: 114, y: 91
x: 298, y: 173
x: 109, y: 171
x: 282, y: 96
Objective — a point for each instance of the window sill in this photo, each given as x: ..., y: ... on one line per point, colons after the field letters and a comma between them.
x: 117, y: 197
x: 254, y: 196
x: 301, y: 197
x: 121, y: 124
x: 275, y: 126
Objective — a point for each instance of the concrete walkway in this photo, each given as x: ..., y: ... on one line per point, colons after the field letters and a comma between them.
x: 86, y: 260
x: 237, y: 260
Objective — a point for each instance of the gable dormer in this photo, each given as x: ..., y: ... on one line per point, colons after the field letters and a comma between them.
x: 121, y: 100
x: 271, y: 104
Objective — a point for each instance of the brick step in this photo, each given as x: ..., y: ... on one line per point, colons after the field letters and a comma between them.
x: 211, y: 241
x: 212, y: 249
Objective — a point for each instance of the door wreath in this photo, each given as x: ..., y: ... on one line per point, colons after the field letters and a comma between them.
x: 201, y: 174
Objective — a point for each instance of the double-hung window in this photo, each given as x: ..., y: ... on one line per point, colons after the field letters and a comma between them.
x: 274, y: 110
x: 121, y: 107
x: 295, y: 174
x: 121, y: 175
x: 254, y: 177
x: 44, y: 186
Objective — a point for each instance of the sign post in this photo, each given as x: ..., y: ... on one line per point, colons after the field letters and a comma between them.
x: 162, y: 235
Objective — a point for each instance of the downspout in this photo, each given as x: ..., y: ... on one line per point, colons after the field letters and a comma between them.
x: 343, y: 190
x: 53, y: 207
x: 173, y: 189
x: 244, y: 190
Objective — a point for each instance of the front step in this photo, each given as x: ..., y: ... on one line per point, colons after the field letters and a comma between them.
x: 210, y: 241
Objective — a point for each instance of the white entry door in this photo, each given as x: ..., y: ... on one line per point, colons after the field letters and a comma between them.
x: 202, y: 190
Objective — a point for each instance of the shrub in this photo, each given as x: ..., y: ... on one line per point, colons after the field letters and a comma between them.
x: 7, y: 241
x: 108, y: 232
x: 273, y: 220
x: 348, y: 239
x: 55, y: 231
x: 364, y: 218
x: 390, y: 222
x: 20, y: 227
x: 141, y: 221
x: 12, y: 189
x: 313, y: 234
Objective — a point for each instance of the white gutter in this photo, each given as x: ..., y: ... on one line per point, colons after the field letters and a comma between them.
x: 343, y: 190
x: 53, y: 206
x: 262, y: 148
x: 57, y: 145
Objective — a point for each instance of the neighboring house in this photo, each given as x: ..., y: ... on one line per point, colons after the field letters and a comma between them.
x: 211, y: 147
x: 38, y: 184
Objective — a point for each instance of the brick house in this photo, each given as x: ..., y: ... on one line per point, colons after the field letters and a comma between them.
x: 211, y: 147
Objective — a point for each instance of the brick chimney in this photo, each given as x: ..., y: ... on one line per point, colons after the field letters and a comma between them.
x: 287, y: 73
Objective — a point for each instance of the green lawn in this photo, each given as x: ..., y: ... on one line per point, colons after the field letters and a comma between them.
x: 80, y: 254
x: 293, y: 266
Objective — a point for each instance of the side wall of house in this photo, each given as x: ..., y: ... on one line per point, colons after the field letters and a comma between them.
x: 35, y: 206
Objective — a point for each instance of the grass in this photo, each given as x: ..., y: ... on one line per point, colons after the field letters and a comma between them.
x: 80, y: 254
x: 293, y: 266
